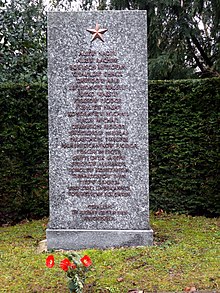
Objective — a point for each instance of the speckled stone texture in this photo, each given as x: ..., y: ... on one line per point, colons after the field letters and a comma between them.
x: 98, y: 130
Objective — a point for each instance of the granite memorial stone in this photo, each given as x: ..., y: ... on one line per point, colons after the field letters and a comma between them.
x: 98, y: 130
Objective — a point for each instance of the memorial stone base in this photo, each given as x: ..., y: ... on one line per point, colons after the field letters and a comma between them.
x: 82, y: 239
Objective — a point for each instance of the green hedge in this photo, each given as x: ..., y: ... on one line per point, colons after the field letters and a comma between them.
x: 184, y: 147
x: 24, y: 152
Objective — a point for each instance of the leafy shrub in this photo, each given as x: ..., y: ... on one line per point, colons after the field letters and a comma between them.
x: 24, y: 151
x: 184, y: 146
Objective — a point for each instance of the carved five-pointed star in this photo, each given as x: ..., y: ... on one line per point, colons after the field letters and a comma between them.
x: 97, y: 32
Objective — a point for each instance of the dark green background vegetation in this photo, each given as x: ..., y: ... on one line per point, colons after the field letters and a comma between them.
x: 184, y: 148
x: 183, y: 37
x: 24, y: 152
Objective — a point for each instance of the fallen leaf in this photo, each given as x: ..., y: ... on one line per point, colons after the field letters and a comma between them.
x: 190, y: 289
x: 159, y: 212
x: 25, y: 221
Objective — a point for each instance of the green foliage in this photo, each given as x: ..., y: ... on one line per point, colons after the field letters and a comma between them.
x: 22, y: 41
x: 186, y: 253
x: 184, y: 146
x: 76, y: 276
x: 183, y: 36
x: 24, y: 151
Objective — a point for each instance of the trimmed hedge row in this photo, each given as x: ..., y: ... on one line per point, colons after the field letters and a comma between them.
x: 184, y: 147
x: 24, y: 152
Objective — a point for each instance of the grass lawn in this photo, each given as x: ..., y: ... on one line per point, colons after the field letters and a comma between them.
x: 186, y: 254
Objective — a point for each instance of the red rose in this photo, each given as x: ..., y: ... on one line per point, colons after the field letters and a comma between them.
x: 65, y: 263
x: 86, y: 261
x: 50, y: 261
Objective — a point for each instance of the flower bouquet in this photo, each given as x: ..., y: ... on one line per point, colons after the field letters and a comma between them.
x: 75, y: 267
